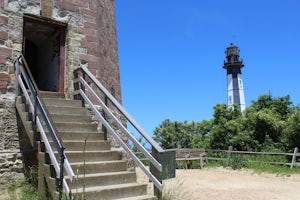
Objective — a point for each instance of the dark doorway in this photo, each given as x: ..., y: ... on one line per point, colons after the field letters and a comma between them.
x: 43, y: 48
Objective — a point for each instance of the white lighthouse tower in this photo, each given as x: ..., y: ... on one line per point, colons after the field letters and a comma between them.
x: 235, y: 89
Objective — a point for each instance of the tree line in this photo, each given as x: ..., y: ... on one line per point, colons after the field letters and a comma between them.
x: 268, y: 124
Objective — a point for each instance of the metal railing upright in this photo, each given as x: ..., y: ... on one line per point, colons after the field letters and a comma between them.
x: 25, y: 85
x: 85, y: 92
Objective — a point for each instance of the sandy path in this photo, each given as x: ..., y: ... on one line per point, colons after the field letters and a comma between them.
x: 224, y: 184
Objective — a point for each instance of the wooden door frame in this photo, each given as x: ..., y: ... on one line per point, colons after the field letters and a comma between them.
x: 62, y: 29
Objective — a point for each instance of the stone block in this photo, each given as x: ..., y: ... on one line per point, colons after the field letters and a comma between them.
x: 4, y: 77
x: 3, y: 85
x: 5, y: 51
x: 47, y: 8
x: 3, y: 59
x: 3, y: 19
x: 3, y: 35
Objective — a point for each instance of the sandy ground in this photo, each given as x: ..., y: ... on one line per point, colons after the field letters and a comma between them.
x: 226, y: 184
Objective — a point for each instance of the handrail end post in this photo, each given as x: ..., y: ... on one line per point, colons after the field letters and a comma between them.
x: 156, y: 173
x: 167, y: 159
x: 77, y: 73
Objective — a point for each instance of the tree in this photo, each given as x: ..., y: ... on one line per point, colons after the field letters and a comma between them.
x: 184, y: 135
x: 173, y: 134
x: 200, y: 136
x: 280, y: 105
x: 225, y: 125
x: 268, y: 124
x: 265, y: 123
x: 292, y: 131
x: 266, y: 118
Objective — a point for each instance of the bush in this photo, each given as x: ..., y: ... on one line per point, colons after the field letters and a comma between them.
x: 236, y: 162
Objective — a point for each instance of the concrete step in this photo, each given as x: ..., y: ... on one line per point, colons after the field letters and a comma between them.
x: 92, y: 156
x: 113, y: 191
x: 103, y: 179
x: 62, y: 102
x: 22, y: 110
x: 142, y: 197
x: 71, y: 118
x: 51, y: 95
x: 100, y: 166
x: 75, y: 126
x: 67, y: 110
x: 80, y: 136
x: 95, y: 145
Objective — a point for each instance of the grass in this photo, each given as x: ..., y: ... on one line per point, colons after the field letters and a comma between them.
x: 255, y: 162
x: 260, y: 168
x: 273, y: 169
x: 21, y: 191
x: 172, y: 190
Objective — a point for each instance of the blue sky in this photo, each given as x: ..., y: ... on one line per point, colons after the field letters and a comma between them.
x: 171, y: 54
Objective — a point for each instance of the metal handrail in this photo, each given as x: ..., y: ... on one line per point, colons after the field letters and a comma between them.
x: 79, y: 80
x: 23, y: 74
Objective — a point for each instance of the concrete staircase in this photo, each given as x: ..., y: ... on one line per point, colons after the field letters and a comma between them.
x: 101, y: 173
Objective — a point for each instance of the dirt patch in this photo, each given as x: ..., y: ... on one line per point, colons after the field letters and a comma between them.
x: 226, y: 184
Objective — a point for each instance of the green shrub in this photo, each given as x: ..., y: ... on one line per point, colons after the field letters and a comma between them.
x: 235, y: 162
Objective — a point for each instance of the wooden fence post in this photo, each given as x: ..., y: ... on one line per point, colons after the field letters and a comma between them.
x: 294, y: 157
x: 201, y: 161
x: 229, y: 152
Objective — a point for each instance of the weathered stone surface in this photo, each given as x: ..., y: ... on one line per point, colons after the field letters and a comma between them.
x: 47, y: 8
x: 10, y: 162
x: 90, y: 41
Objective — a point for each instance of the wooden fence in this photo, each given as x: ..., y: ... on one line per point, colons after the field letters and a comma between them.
x: 229, y: 154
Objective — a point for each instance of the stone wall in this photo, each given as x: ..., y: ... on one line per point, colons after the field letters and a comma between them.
x: 10, y: 156
x: 90, y: 41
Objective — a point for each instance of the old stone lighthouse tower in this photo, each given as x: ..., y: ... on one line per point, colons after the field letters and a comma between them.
x: 56, y: 37
x: 235, y: 89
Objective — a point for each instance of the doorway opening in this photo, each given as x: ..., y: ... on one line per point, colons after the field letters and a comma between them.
x: 44, y: 51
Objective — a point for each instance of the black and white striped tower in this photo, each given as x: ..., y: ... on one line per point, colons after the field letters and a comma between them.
x: 235, y: 89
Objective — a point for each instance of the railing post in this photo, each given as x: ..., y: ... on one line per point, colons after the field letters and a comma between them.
x: 156, y: 173
x: 294, y: 157
x: 17, y: 68
x: 104, y: 116
x: 34, y: 126
x: 229, y: 152
x: 78, y: 85
x: 61, y: 174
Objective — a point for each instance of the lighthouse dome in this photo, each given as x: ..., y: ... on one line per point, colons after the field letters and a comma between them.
x: 232, y: 50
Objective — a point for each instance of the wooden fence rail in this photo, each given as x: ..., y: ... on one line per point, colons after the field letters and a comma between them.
x: 204, y: 155
x: 229, y: 152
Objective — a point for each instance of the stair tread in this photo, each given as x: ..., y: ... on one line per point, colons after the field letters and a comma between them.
x: 64, y: 106
x: 109, y: 187
x: 104, y: 174
x: 93, y: 132
x: 70, y: 114
x: 97, y: 162
x: 59, y: 99
x: 77, y: 123
x: 82, y: 141
x: 88, y: 151
x: 142, y: 197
